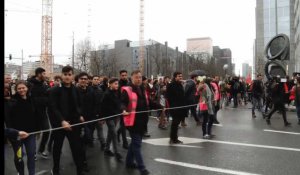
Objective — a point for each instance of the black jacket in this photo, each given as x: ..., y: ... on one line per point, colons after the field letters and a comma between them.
x: 257, y: 88
x: 22, y: 115
x: 175, y: 96
x: 64, y: 103
x: 141, y: 119
x: 38, y: 92
x: 190, y: 91
x: 111, y: 104
x: 98, y: 94
x: 87, y: 102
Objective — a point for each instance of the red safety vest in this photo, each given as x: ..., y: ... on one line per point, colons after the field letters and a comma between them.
x: 131, y: 108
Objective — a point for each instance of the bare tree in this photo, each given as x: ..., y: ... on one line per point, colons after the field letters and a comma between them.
x: 82, y: 53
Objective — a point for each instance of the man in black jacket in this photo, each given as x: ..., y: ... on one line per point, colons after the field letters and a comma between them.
x: 140, y: 122
x: 98, y: 94
x: 38, y: 91
x: 176, y: 98
x: 122, y: 130
x: 257, y: 94
x: 64, y: 103
x: 278, y: 93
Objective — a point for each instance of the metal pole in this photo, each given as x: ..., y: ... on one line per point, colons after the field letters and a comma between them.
x: 73, y: 51
x: 22, y: 66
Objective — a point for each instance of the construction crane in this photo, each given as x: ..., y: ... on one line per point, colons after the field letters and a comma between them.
x: 141, y: 49
x: 46, y: 43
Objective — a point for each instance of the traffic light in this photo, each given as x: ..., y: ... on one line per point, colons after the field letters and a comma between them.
x: 10, y: 56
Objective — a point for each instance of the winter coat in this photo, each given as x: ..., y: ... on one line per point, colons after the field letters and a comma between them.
x: 190, y: 92
x: 176, y: 98
x: 111, y: 104
x: 22, y: 115
x: 38, y: 92
x: 64, y: 103
x: 87, y: 102
x: 98, y: 95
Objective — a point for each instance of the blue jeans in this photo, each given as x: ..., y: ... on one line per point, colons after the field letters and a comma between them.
x: 256, y: 102
x: 134, y: 151
x: 30, y: 146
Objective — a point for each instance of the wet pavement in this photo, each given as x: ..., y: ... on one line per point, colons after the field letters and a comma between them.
x: 242, y: 146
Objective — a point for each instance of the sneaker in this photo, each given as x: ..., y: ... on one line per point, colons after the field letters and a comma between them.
x: 176, y: 142
x: 35, y: 157
x: 145, y: 172
x: 54, y: 173
x: 287, y: 124
x: 132, y: 166
x: 44, y: 155
x: 146, y: 135
x: 103, y: 145
x: 109, y: 153
x: 183, y: 124
x: 216, y: 122
x: 206, y: 136
x: 119, y: 157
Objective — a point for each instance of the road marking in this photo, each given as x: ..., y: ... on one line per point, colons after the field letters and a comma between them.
x: 284, y: 132
x: 195, y: 166
x: 187, y: 140
x: 41, y: 172
x: 165, y: 142
x: 253, y: 145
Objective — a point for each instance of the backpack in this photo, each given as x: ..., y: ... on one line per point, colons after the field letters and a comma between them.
x: 236, y: 85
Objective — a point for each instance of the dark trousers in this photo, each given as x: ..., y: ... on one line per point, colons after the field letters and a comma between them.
x: 111, y: 135
x: 278, y: 107
x: 45, y: 137
x: 30, y: 146
x: 75, y: 145
x: 134, y: 151
x: 235, y: 99
x: 50, y: 143
x: 122, y: 131
x: 193, y: 110
x: 174, y: 127
x: 207, y: 123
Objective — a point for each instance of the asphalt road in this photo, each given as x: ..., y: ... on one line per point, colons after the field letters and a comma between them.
x: 242, y: 146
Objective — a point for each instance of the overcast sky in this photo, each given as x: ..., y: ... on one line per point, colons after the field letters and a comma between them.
x: 230, y: 23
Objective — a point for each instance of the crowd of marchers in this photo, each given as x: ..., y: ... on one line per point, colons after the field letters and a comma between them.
x: 123, y: 105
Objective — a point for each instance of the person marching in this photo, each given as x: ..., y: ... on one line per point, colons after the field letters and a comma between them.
x: 22, y: 116
x: 135, y: 99
x: 176, y: 98
x: 206, y: 106
x: 122, y: 130
x: 111, y: 105
x: 64, y: 102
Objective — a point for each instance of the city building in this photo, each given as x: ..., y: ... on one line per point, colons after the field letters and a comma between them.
x: 160, y: 59
x: 245, y: 70
x: 222, y: 57
x: 200, y: 48
x: 275, y: 17
x: 297, y: 33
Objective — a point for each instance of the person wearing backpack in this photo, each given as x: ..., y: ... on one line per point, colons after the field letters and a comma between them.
x: 257, y: 94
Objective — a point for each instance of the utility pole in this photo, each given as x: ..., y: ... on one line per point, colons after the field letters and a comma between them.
x: 73, y: 51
